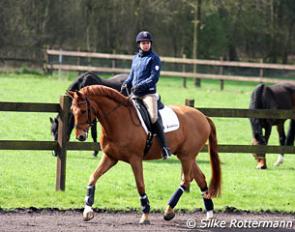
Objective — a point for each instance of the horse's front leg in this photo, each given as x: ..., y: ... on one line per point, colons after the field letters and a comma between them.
x: 105, y: 164
x: 261, y: 158
x: 136, y: 165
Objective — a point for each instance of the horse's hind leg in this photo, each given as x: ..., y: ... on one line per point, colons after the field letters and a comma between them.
x: 105, y: 164
x: 201, y: 181
x: 291, y: 134
x: 289, y: 141
x: 186, y: 167
x: 282, y: 138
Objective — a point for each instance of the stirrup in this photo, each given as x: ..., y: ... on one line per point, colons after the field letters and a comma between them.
x: 166, y: 153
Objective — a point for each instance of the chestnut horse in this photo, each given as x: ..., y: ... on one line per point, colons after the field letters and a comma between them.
x: 123, y: 138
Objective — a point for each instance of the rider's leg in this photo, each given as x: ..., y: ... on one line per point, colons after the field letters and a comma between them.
x: 151, y: 103
x: 158, y: 128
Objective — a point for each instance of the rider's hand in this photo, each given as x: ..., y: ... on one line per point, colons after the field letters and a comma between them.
x: 137, y: 91
x: 123, y: 87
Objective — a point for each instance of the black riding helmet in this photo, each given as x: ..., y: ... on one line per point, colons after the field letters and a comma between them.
x: 144, y: 36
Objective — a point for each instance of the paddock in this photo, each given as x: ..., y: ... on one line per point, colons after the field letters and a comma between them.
x: 31, y: 155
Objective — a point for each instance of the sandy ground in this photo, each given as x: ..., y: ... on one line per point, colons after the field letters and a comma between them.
x: 54, y: 220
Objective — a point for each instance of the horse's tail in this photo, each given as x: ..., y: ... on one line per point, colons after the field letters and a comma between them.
x: 215, y: 183
x: 256, y: 97
x: 257, y: 103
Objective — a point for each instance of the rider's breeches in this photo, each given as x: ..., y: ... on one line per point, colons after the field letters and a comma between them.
x: 151, y: 103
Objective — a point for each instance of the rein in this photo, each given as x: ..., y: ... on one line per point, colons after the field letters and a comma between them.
x: 105, y: 115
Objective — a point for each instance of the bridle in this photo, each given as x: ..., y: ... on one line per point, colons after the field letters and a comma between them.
x: 88, y: 111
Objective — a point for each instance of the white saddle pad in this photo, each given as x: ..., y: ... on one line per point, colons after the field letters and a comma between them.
x: 169, y: 118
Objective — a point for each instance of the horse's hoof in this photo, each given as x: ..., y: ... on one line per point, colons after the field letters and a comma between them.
x: 144, y: 220
x: 261, y: 164
x: 209, y: 215
x: 169, y: 213
x: 261, y: 167
x: 279, y: 161
x: 88, y: 213
x: 169, y: 216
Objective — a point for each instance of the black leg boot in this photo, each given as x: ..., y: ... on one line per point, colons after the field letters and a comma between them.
x: 158, y: 128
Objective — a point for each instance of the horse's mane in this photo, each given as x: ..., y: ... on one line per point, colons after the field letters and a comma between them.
x: 99, y: 90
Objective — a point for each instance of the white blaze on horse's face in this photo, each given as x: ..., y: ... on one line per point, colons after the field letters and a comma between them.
x: 82, y: 124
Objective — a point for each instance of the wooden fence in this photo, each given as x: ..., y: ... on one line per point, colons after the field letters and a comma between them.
x: 62, y: 145
x: 61, y: 66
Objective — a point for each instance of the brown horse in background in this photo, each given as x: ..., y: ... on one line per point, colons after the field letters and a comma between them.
x: 123, y: 138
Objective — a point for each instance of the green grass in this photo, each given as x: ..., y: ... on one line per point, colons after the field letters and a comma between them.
x: 27, y: 178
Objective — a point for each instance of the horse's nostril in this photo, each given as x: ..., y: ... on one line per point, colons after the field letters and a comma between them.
x: 81, y: 137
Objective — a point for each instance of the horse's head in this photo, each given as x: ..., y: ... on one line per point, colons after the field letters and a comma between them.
x: 54, y: 130
x: 83, y: 114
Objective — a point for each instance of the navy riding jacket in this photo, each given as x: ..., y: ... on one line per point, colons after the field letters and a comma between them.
x: 144, y: 74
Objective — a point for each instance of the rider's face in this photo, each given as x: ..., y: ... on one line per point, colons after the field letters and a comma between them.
x: 145, y: 45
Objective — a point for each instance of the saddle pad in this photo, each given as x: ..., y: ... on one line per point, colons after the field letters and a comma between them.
x: 169, y: 119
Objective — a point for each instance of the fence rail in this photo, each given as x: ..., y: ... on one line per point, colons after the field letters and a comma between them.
x: 172, y: 60
x: 90, y: 146
x: 183, y: 61
x: 62, y: 145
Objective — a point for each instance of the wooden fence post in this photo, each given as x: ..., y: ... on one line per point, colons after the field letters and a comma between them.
x: 62, y: 142
x: 183, y: 70
x: 114, y: 62
x: 221, y: 73
x: 78, y: 58
x: 60, y: 62
x: 46, y: 59
x: 190, y: 102
x: 261, y: 70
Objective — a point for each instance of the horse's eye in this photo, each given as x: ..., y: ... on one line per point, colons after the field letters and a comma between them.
x: 83, y: 111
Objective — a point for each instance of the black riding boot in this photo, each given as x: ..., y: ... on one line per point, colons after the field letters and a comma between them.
x: 158, y: 128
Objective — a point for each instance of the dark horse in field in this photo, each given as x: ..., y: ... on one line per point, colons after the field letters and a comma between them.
x: 87, y: 79
x: 123, y: 139
x: 278, y: 96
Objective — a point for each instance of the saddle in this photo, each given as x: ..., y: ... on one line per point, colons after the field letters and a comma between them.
x: 166, y: 116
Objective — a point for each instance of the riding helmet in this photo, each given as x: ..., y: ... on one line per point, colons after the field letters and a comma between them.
x: 144, y: 36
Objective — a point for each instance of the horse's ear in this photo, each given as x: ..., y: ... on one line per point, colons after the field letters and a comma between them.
x: 51, y: 119
x: 70, y: 94
x: 80, y: 95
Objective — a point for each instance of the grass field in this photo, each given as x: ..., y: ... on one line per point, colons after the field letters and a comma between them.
x: 27, y: 178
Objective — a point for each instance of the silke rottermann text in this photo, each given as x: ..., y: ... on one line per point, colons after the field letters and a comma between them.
x: 235, y: 223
